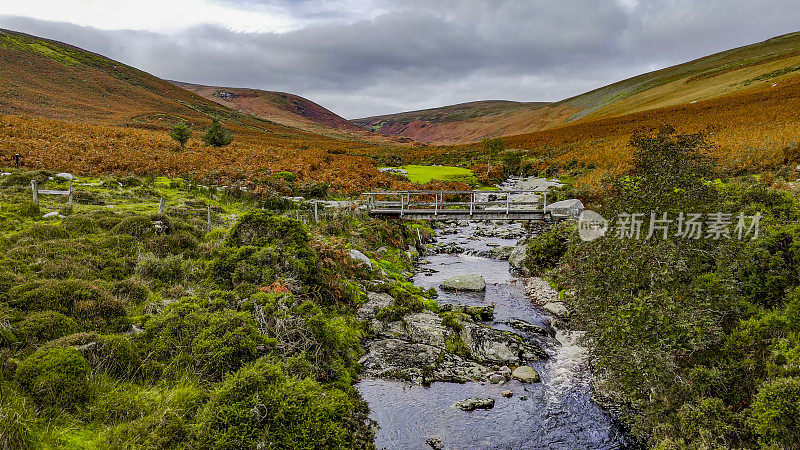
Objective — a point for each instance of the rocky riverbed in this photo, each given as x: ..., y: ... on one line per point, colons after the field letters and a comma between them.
x: 513, y: 380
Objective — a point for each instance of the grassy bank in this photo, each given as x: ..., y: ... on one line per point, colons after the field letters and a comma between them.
x: 695, y: 338
x: 121, y: 327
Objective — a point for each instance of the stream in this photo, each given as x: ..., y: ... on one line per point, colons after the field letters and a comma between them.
x: 554, y: 414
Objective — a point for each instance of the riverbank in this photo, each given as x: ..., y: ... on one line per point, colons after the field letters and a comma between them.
x: 423, y: 411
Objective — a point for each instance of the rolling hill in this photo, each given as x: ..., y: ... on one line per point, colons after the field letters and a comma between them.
x: 65, y: 108
x: 716, y: 76
x: 286, y: 109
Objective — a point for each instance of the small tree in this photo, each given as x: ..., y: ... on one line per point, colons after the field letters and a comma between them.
x: 217, y: 136
x: 181, y: 133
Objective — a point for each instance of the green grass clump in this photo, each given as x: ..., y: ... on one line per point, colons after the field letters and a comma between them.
x: 57, y: 377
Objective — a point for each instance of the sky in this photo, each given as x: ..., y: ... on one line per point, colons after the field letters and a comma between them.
x: 368, y: 57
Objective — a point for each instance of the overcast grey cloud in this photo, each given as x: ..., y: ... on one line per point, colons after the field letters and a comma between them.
x: 369, y: 57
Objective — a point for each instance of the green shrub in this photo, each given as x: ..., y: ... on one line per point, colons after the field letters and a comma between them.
x: 79, y: 225
x: 43, y: 232
x: 167, y: 270
x: 775, y: 412
x: 286, y: 175
x: 131, y: 291
x: 91, y: 306
x: 176, y: 243
x: 261, y: 228
x: 140, y: 227
x: 30, y: 210
x: 217, y: 135
x: 55, y: 377
x: 391, y: 313
x: 43, y: 326
x: 259, y: 406
x: 212, y: 343
x: 162, y: 416
x: 545, y: 251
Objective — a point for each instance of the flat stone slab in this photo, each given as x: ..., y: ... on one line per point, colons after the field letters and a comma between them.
x: 465, y: 283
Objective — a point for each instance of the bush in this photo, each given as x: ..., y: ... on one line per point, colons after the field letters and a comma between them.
x: 217, y: 135
x: 114, y: 354
x: 163, y: 415
x: 259, y: 406
x: 55, y: 377
x: 168, y: 270
x: 131, y: 291
x: 43, y: 326
x: 212, y: 343
x: 79, y: 225
x: 180, y: 133
x: 545, y: 251
x: 43, y: 232
x: 261, y: 248
x: 178, y: 243
x: 775, y: 412
x: 140, y: 227
x: 90, y: 306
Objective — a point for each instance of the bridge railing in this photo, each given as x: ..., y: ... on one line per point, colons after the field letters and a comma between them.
x: 450, y: 202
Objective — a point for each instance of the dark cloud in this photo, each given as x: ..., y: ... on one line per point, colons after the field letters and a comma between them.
x: 421, y: 53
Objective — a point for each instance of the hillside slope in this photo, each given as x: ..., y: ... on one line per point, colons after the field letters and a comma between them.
x: 64, y: 108
x: 283, y: 108
x: 716, y: 76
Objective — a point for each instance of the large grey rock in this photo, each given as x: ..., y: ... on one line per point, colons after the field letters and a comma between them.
x: 571, y: 208
x: 471, y: 404
x: 416, y: 362
x: 528, y: 327
x: 415, y: 349
x: 469, y: 282
x: 557, y: 309
x: 526, y: 374
x: 66, y: 176
x: 517, y: 257
x: 491, y: 346
x: 375, y: 302
x: 355, y: 254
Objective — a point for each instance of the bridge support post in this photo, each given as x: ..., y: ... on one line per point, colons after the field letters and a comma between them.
x: 508, y: 203
x: 69, y: 201
x: 435, y: 204
x: 471, y: 204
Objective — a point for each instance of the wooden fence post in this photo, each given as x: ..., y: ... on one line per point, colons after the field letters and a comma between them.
x: 316, y: 211
x: 69, y: 201
x: 209, y: 217
x: 162, y: 205
x: 35, y: 190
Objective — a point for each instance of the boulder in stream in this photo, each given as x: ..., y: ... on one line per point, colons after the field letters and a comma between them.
x: 528, y: 327
x: 517, y: 257
x: 470, y: 282
x: 526, y: 374
x: 415, y: 349
x: 473, y: 403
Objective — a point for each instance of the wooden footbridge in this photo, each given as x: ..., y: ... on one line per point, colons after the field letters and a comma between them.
x: 474, y: 205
